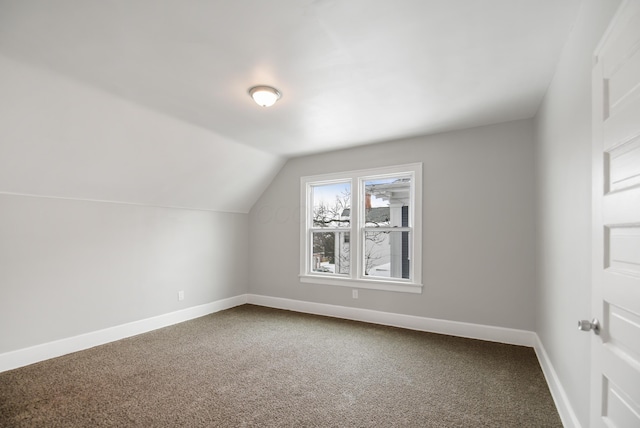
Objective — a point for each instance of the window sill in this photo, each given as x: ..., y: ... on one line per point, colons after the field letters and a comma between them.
x: 372, y: 284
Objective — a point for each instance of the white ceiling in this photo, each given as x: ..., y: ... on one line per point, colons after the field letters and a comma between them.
x: 351, y: 71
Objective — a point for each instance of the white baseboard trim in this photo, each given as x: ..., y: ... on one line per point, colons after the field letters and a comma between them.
x: 34, y: 354
x: 432, y: 325
x: 567, y: 414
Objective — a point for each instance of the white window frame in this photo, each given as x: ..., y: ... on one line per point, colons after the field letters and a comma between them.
x: 356, y: 277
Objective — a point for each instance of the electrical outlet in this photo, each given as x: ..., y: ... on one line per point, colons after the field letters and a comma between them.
x: 354, y: 294
x: 181, y: 295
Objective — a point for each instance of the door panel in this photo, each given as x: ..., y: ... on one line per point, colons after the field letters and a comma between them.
x: 623, y: 165
x: 622, y: 252
x: 622, y: 325
x: 616, y: 409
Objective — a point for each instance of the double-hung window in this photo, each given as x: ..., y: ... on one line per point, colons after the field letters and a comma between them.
x: 362, y: 229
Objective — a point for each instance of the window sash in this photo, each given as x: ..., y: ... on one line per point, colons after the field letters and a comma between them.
x: 400, y: 261
x: 341, y: 266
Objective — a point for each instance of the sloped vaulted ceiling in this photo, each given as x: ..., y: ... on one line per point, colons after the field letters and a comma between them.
x: 144, y: 101
x: 63, y: 139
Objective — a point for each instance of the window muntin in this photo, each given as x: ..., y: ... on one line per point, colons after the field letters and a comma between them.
x: 371, y: 243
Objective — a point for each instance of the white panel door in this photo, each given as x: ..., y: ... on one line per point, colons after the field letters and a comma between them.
x: 616, y: 230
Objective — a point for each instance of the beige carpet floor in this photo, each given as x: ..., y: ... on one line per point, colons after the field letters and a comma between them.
x: 257, y: 367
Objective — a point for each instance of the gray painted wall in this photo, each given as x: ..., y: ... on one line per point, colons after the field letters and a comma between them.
x: 478, y: 227
x: 70, y: 267
x: 563, y: 154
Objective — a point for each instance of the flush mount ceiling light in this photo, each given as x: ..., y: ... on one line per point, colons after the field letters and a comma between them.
x: 264, y: 96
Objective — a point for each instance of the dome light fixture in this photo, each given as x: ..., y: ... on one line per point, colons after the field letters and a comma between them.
x: 264, y: 96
